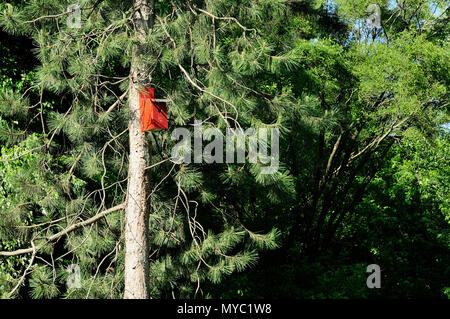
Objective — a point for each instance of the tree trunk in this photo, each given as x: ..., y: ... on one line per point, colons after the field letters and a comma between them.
x: 136, y: 212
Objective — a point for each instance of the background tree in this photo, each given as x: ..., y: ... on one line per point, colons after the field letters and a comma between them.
x: 364, y: 93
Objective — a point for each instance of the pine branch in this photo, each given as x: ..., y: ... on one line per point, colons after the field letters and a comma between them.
x: 65, y: 231
x: 22, y: 278
x: 227, y: 19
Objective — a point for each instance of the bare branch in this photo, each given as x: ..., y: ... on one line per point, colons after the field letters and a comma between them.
x: 64, y: 232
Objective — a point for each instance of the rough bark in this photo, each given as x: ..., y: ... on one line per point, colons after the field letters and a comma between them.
x: 136, y: 212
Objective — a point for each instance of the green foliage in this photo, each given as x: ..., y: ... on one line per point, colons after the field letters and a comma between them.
x: 363, y: 174
x: 42, y: 284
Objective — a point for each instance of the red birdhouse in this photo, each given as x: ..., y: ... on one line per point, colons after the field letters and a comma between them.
x: 153, y: 112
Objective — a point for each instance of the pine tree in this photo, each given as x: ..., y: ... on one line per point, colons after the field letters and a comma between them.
x: 81, y: 171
